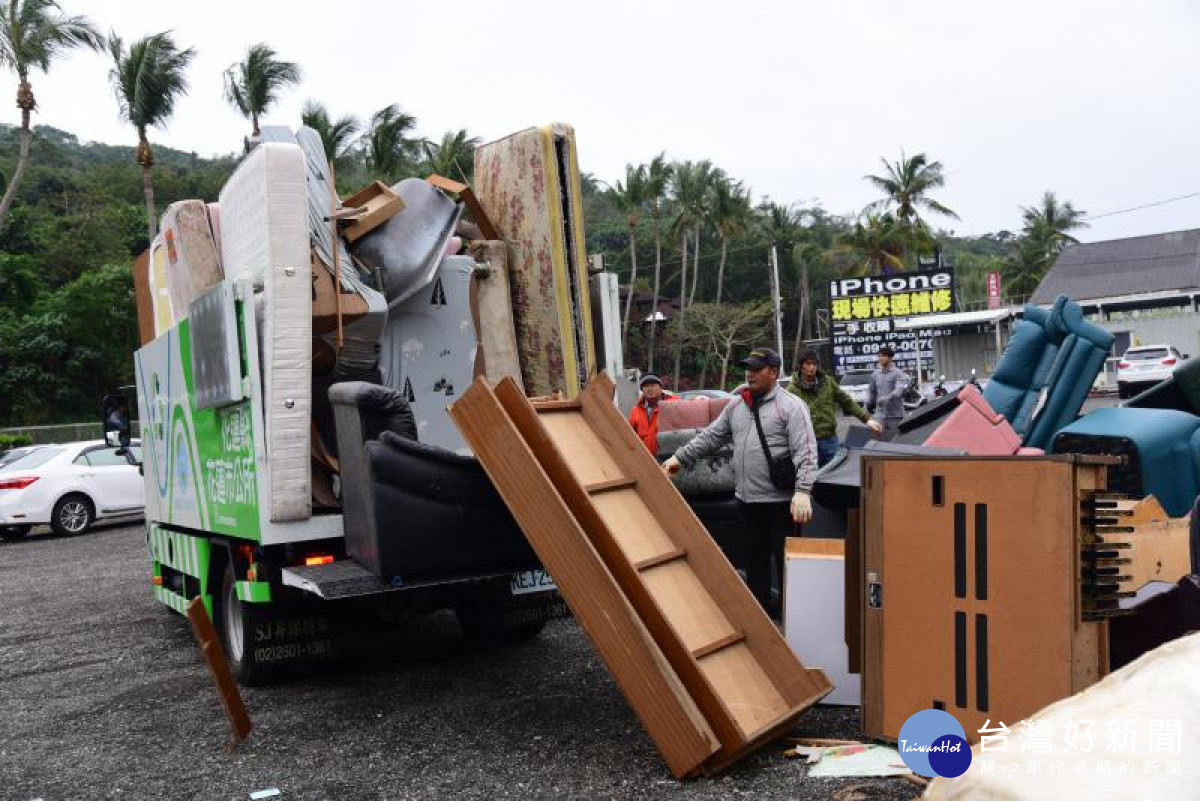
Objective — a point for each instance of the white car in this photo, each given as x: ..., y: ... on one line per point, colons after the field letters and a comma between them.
x: 1146, y: 365
x: 69, y: 487
x: 857, y: 384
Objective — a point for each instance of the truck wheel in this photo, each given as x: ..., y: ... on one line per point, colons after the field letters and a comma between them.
x: 72, y: 515
x: 484, y: 616
x: 235, y: 622
x: 1122, y: 390
x: 14, y: 533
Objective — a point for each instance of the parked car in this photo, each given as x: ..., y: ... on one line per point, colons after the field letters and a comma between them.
x: 69, y: 487
x: 857, y: 384
x: 14, y: 454
x: 1146, y: 365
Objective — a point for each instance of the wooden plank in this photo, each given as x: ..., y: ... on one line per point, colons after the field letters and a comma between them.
x: 557, y: 405
x: 638, y: 664
x: 606, y: 517
x: 218, y: 669
x: 655, y: 561
x: 854, y: 587
x: 1161, y: 552
x: 731, y: 594
x: 605, y: 486
x: 680, y: 606
x: 718, y: 644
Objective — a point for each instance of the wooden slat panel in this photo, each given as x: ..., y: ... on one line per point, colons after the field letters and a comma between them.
x: 687, y: 604
x: 588, y: 459
x: 681, y: 600
x: 663, y: 502
x: 740, y: 680
x: 646, y: 678
x: 639, y: 535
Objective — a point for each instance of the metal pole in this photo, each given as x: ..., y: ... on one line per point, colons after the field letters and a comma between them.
x: 776, y: 300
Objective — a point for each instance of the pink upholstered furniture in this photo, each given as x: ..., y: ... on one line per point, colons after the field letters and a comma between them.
x: 977, y: 428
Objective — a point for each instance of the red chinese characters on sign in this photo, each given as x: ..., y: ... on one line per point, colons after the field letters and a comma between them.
x: 993, y: 290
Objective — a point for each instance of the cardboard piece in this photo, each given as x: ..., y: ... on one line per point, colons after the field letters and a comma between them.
x: 491, y: 305
x: 377, y: 203
x: 729, y: 656
x: 141, y: 293
x: 973, y: 600
x: 325, y: 302
x: 1160, y: 551
x: 814, y: 613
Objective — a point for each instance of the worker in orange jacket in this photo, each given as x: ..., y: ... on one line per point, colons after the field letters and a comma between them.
x: 644, y: 417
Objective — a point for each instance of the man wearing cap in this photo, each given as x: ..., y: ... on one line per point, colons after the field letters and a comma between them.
x: 821, y: 393
x: 886, y: 392
x: 773, y: 492
x: 644, y: 415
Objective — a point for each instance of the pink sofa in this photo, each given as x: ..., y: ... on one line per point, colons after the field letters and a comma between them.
x: 977, y: 428
x: 692, y: 413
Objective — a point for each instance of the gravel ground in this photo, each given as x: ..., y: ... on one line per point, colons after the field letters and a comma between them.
x: 106, y: 696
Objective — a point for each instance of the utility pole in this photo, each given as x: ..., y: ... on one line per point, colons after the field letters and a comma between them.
x: 776, y: 300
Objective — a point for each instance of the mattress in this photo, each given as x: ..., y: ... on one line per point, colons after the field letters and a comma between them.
x: 141, y: 294
x: 160, y: 291
x: 528, y: 184
x: 265, y: 237
x: 429, y: 351
x: 193, y: 263
x: 492, y: 294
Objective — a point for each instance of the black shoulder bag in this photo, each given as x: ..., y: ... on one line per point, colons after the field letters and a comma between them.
x: 783, y: 470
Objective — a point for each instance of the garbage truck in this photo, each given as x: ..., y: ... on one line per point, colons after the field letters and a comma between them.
x: 298, y: 356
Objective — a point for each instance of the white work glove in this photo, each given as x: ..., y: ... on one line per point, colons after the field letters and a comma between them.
x: 671, y: 466
x: 801, y: 507
x: 875, y: 426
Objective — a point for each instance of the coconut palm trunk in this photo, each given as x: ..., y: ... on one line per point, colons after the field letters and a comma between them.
x: 632, y: 280
x: 145, y: 157
x: 27, y: 103
x: 696, y: 265
x: 683, y: 276
x: 721, y: 268
x: 654, y: 302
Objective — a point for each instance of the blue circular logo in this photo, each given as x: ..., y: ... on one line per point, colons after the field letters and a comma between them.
x: 932, y: 743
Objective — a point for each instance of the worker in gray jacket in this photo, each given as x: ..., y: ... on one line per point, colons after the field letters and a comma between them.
x: 771, y: 497
x: 885, y: 399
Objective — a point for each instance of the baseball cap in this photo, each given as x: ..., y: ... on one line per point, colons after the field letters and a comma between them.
x: 760, y: 358
x: 650, y: 378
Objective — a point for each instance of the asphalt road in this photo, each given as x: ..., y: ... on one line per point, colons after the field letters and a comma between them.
x: 106, y: 696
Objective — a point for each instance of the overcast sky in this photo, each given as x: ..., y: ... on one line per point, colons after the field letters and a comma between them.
x: 1095, y: 100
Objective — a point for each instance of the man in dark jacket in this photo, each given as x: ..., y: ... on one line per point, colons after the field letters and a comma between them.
x: 788, y: 434
x: 824, y: 397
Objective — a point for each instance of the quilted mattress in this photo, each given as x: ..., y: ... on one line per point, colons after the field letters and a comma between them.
x: 160, y: 292
x: 528, y: 184
x: 265, y: 238
x: 193, y: 263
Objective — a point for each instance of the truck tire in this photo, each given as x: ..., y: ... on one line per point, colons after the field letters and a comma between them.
x: 235, y: 621
x: 14, y: 533
x: 73, y: 514
x: 481, y: 613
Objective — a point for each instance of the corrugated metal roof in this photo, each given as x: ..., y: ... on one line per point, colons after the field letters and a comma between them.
x: 1133, y: 266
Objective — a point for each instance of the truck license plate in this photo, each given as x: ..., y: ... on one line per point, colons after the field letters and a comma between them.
x: 532, y: 581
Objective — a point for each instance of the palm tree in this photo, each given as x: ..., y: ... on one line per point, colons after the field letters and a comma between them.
x: 906, y: 185
x: 253, y: 85
x: 1051, y: 221
x: 689, y: 190
x: 880, y: 240
x: 630, y: 197
x: 731, y: 215
x: 336, y: 135
x: 148, y: 78
x: 448, y: 156
x: 389, y: 149
x: 658, y: 175
x: 32, y: 33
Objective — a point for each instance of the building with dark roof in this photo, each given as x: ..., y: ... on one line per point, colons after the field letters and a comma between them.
x: 1139, y: 272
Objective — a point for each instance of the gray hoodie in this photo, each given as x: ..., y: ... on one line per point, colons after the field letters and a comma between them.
x: 886, y: 398
x: 788, y: 430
